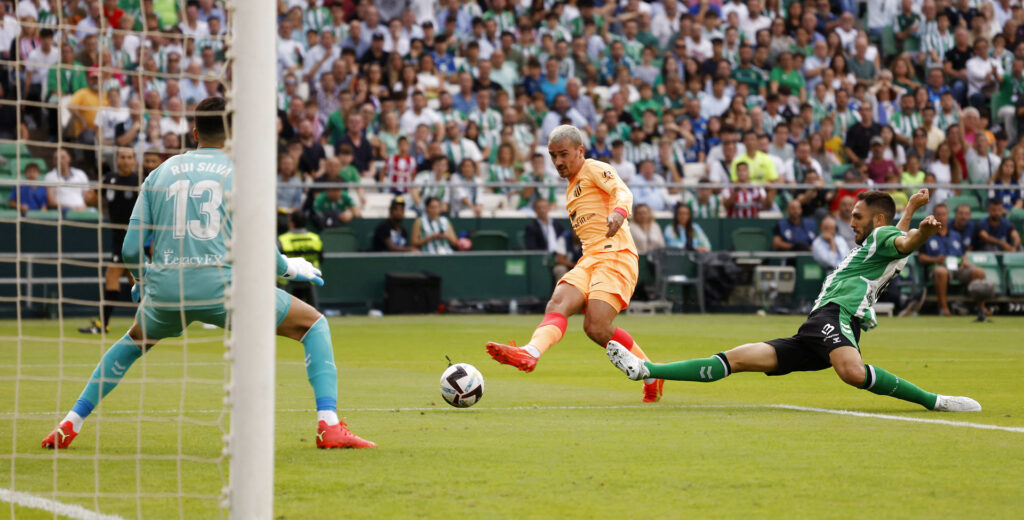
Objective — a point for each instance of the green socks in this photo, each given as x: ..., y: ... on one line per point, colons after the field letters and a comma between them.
x: 704, y: 370
x: 878, y: 381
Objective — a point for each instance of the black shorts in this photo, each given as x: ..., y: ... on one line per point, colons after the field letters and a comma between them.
x: 116, y: 242
x: 823, y: 332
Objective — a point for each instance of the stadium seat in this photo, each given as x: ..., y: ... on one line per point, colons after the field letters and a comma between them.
x: 85, y: 216
x: 12, y: 150
x: 339, y: 240
x: 490, y: 241
x: 492, y: 202
x: 7, y: 213
x: 693, y: 172
x: 983, y: 259
x: 676, y: 267
x: 1017, y: 219
x: 1014, y: 266
x: 839, y: 170
x: 377, y: 205
x: 990, y: 263
x: 751, y: 239
x: 49, y: 214
x: 970, y: 200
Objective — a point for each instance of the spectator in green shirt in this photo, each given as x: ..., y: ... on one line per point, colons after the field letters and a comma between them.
x: 334, y: 207
x: 745, y: 72
x: 783, y: 74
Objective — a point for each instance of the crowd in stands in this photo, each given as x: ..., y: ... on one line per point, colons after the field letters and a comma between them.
x: 706, y: 108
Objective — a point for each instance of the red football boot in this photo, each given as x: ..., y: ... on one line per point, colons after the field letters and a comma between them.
x: 61, y: 437
x: 653, y: 391
x: 512, y: 355
x: 339, y: 436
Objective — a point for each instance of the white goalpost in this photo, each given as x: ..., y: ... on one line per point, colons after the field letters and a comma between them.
x: 189, y: 432
x: 252, y: 344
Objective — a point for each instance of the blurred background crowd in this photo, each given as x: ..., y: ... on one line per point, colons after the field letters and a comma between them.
x: 706, y: 108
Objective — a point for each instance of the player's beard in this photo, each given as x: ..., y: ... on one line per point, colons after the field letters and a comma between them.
x: 868, y: 231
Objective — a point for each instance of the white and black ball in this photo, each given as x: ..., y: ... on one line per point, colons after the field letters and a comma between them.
x: 462, y: 385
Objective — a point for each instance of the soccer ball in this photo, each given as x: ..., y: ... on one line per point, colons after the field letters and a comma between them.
x: 462, y: 385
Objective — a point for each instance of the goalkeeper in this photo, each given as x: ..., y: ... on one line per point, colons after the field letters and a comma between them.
x: 181, y: 208
x: 829, y: 337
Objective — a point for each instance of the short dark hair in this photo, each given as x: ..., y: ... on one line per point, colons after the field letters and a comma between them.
x: 298, y: 219
x: 879, y: 202
x: 212, y: 120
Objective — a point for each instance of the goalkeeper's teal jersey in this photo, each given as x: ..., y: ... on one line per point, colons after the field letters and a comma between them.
x: 864, y: 273
x: 182, y: 207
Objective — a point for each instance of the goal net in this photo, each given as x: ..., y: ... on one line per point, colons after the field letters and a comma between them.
x: 93, y: 96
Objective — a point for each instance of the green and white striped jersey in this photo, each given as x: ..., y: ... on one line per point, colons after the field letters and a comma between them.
x: 438, y: 246
x: 865, y: 272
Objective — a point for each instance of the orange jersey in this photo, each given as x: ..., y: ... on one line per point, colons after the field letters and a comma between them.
x: 594, y: 193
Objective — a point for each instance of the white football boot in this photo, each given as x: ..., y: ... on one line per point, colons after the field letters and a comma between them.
x: 956, y: 403
x: 625, y: 361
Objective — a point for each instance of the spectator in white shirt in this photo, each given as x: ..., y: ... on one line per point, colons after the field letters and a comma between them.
x: 755, y: 21
x: 983, y: 74
x: 192, y: 25
x: 418, y: 115
x: 40, y: 60
x: 646, y: 234
x: 320, y: 58
x: 625, y: 169
x: 796, y: 168
x: 74, y: 193
x: 718, y: 101
x: 649, y: 188
x: 174, y: 122
x: 829, y: 247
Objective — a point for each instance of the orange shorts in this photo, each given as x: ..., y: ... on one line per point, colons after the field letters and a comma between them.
x: 609, y: 277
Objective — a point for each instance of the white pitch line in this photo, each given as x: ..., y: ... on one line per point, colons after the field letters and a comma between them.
x: 962, y: 424
x: 52, y: 506
x: 777, y: 406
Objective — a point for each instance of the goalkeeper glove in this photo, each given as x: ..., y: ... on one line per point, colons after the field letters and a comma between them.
x: 870, y: 319
x: 301, y: 270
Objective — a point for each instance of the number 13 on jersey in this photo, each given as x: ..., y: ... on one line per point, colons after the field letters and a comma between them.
x: 208, y: 225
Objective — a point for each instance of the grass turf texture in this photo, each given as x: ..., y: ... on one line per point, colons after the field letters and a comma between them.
x: 569, y: 440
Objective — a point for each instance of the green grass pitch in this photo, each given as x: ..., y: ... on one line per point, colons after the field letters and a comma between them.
x: 570, y: 440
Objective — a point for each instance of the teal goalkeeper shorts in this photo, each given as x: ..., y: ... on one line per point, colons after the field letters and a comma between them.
x: 169, y: 322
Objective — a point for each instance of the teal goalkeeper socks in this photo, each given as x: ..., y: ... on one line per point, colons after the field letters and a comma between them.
x: 320, y: 368
x: 704, y: 370
x: 878, y: 381
x: 112, y: 367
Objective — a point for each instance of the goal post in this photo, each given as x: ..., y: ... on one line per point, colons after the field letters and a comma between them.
x: 252, y: 343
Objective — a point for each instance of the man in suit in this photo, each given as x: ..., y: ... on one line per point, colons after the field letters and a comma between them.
x: 543, y: 231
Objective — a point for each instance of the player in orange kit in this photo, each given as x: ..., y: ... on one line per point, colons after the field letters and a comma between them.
x: 602, y: 282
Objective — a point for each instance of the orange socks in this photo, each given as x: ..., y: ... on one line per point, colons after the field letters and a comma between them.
x: 549, y: 332
x: 623, y: 338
